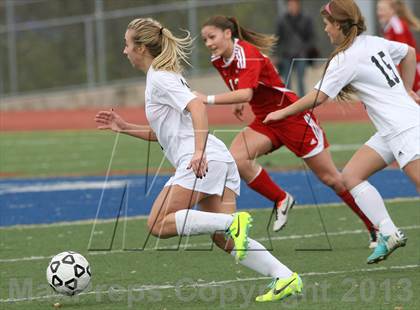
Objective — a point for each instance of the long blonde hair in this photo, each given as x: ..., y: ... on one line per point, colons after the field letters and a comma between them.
x: 404, y: 12
x: 347, y: 14
x: 264, y: 42
x: 168, y: 50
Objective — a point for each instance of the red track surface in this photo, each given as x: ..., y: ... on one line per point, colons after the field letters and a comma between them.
x: 83, y: 118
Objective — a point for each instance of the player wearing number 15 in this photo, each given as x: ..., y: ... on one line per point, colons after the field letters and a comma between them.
x: 366, y: 66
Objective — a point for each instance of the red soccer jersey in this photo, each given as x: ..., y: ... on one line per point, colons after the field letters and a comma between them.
x: 249, y: 68
x: 398, y: 30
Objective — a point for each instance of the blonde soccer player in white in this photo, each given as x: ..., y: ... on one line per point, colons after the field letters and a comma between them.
x: 366, y: 66
x: 205, y: 170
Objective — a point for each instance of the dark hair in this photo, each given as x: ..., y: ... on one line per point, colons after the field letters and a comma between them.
x: 347, y: 14
x: 264, y: 42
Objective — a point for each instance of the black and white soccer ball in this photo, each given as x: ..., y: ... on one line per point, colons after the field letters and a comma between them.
x: 68, y: 273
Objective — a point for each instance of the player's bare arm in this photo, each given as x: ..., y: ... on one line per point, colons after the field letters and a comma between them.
x: 233, y: 97
x: 112, y: 121
x: 408, y: 69
x: 237, y: 108
x: 200, y: 123
x: 310, y: 100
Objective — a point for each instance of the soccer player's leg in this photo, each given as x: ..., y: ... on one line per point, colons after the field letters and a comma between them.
x: 161, y: 221
x: 324, y: 168
x: 306, y: 139
x: 171, y: 215
x: 172, y: 212
x: 412, y: 170
x: 365, y: 162
x: 238, y: 231
x: 247, y: 146
x: 221, y: 204
x: 257, y: 258
x: 405, y: 147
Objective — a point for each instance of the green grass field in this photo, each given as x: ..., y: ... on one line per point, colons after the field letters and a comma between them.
x: 55, y: 153
x: 198, y: 277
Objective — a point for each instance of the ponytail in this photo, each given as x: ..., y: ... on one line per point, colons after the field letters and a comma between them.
x: 167, y: 50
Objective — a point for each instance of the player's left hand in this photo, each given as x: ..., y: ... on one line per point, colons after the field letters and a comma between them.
x: 201, y: 96
x: 199, y: 164
x: 274, y: 116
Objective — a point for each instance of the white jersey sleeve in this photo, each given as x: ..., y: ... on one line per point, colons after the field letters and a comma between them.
x: 340, y: 72
x: 175, y: 89
x: 396, y: 50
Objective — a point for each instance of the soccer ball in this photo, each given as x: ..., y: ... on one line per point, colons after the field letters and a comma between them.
x: 68, y: 273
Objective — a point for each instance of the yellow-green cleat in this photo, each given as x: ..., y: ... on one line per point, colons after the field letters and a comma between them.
x: 238, y: 231
x: 282, y: 288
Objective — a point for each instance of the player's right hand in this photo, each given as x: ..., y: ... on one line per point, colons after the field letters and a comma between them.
x: 109, y: 120
x: 274, y: 116
x: 199, y: 164
x: 238, y: 111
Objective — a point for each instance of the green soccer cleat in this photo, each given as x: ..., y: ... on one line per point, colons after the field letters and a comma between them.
x: 282, y: 288
x: 238, y: 231
x: 387, y: 245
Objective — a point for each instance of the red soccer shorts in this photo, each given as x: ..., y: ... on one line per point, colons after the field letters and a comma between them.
x: 301, y: 134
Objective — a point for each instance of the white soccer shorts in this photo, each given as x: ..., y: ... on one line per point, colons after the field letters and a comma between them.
x: 404, y: 148
x: 219, y: 175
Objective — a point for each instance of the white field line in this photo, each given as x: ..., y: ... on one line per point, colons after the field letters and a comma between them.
x: 212, y: 283
x: 60, y: 186
x: 45, y: 141
x: 192, y: 245
x: 79, y: 185
x: 131, y: 218
x: 332, y: 148
x: 335, y: 148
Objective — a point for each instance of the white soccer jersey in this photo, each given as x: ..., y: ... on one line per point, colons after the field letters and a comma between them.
x: 369, y: 66
x: 167, y: 95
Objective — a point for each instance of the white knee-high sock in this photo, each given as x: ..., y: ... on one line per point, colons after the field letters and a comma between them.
x: 193, y: 222
x: 371, y: 203
x: 263, y: 262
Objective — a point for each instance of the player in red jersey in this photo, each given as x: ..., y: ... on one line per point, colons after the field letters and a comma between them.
x: 396, y: 20
x: 251, y: 77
